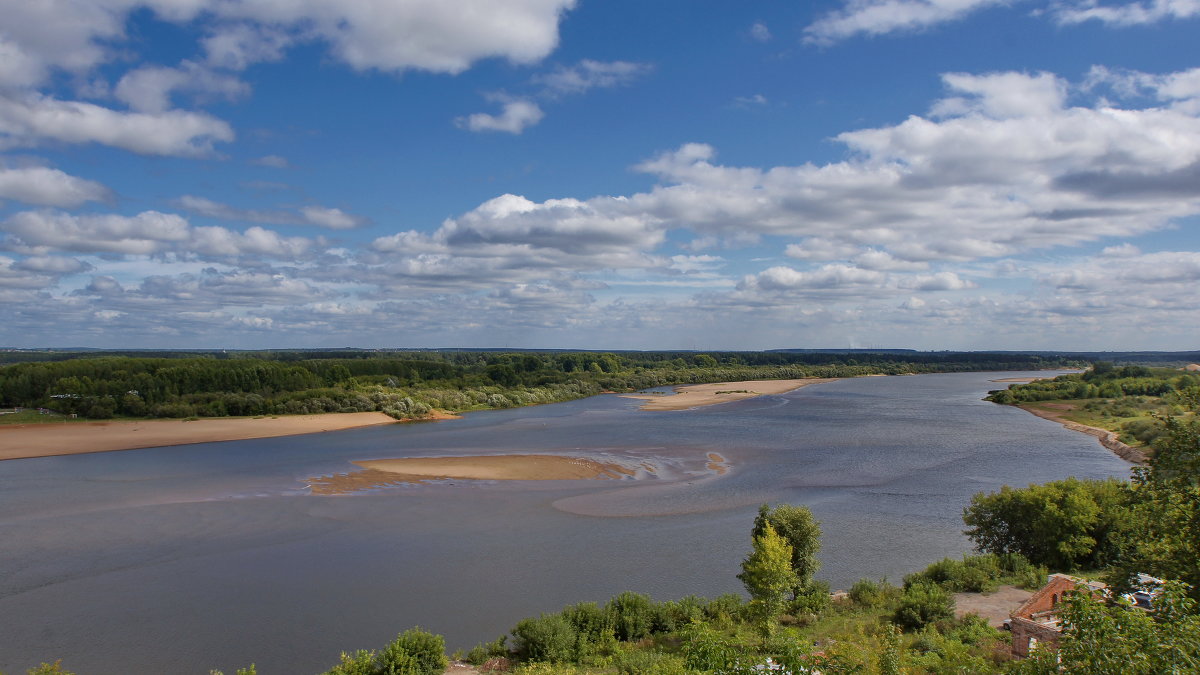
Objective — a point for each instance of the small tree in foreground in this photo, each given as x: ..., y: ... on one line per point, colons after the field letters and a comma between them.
x: 768, y: 576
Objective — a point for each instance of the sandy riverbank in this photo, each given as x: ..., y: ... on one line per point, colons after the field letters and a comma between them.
x: 1109, y: 439
x: 697, y: 395
x: 72, y: 438
x: 378, y: 473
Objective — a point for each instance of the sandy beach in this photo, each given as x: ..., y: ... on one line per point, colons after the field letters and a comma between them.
x: 378, y: 473
x: 697, y: 395
x: 21, y: 441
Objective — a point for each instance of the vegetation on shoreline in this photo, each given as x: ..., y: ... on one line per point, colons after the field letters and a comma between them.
x: 1127, y: 400
x: 410, y: 385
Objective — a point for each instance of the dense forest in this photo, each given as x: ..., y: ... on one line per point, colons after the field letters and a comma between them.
x: 411, y: 384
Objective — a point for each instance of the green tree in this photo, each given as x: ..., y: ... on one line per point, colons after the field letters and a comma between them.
x: 768, y: 577
x: 1063, y: 524
x: 802, y: 532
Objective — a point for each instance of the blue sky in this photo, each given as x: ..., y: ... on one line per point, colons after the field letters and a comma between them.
x: 932, y: 174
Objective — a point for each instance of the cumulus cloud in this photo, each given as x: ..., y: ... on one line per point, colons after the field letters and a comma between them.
x: 28, y: 120
x: 759, y: 32
x: 148, y: 89
x: 320, y: 216
x: 516, y: 116
x: 48, y: 187
x: 147, y: 233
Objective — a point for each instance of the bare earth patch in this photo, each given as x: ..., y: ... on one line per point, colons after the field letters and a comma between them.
x: 995, y: 607
x: 377, y: 473
x: 697, y: 395
x: 45, y: 440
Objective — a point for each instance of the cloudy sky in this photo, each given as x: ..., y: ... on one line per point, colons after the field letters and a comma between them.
x: 618, y: 174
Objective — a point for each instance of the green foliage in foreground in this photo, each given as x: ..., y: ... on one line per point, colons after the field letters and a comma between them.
x: 413, y: 652
x: 1117, y: 639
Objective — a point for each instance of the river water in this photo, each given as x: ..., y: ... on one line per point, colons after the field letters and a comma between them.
x: 182, y: 559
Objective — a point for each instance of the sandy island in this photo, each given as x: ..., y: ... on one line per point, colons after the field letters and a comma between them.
x: 697, y: 395
x: 21, y: 441
x: 379, y: 473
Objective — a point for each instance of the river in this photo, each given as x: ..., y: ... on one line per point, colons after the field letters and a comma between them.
x: 182, y: 559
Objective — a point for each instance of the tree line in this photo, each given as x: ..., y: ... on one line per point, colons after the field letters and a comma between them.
x: 409, y: 384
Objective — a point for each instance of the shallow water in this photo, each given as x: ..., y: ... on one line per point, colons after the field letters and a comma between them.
x: 178, y: 560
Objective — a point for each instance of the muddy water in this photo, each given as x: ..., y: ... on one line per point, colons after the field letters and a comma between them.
x: 178, y: 560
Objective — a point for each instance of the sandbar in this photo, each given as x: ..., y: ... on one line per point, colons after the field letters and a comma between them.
x: 21, y: 441
x: 377, y: 473
x: 697, y: 395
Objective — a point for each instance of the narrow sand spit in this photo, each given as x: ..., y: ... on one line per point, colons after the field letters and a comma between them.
x: 378, y: 473
x: 21, y: 441
x: 697, y: 395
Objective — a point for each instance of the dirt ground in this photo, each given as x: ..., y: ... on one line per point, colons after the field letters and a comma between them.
x: 994, y: 607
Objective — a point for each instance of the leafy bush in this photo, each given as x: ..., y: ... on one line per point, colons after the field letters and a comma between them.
x: 413, y: 652
x: 922, y: 604
x: 480, y: 653
x: 631, y: 614
x: 867, y: 593
x: 549, y: 637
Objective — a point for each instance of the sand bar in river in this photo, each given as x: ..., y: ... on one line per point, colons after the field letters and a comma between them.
x: 379, y: 473
x: 696, y: 395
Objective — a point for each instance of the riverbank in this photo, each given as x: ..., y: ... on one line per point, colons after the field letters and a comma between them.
x: 1107, y: 438
x: 23, y: 441
x: 699, y: 395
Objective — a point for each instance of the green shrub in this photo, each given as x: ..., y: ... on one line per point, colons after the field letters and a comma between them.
x: 549, y: 637
x: 361, y: 662
x: 867, y: 593
x: 813, y: 599
x: 413, y: 652
x: 631, y: 615
x: 482, y: 652
x: 724, y: 608
x: 589, y: 621
x: 922, y: 604
x: 643, y: 662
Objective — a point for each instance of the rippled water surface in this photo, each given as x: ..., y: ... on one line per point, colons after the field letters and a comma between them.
x: 178, y: 560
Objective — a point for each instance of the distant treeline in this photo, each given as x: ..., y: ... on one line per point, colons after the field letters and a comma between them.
x: 1103, y: 380
x: 410, y: 384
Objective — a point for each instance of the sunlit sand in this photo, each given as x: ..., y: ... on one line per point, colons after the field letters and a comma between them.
x: 20, y: 441
x: 379, y: 473
x: 697, y: 395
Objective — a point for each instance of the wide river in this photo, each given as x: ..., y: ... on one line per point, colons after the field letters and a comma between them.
x: 182, y: 559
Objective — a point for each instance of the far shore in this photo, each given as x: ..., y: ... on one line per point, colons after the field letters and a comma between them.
x: 699, y: 395
x: 23, y: 441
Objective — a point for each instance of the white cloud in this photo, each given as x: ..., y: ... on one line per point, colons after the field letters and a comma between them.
x: 273, y: 161
x: 877, y: 17
x: 516, y: 116
x: 589, y: 74
x: 1124, y: 13
x: 759, y: 32
x: 148, y: 89
x: 29, y: 120
x: 48, y: 187
x: 320, y: 216
x: 147, y: 233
